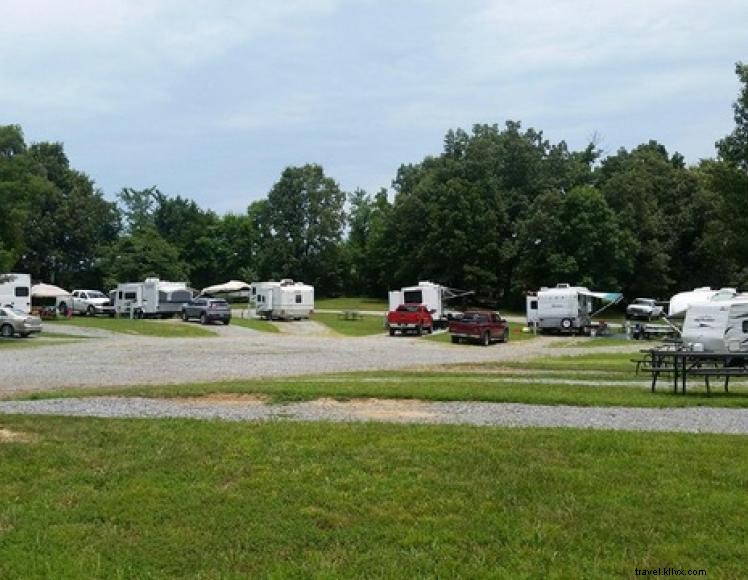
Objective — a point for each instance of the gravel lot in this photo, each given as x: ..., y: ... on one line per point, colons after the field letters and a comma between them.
x: 234, y: 353
x: 690, y: 420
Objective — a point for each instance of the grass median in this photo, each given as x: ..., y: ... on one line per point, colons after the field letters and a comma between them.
x: 159, y: 328
x: 173, y: 498
x: 362, y: 325
x: 255, y: 324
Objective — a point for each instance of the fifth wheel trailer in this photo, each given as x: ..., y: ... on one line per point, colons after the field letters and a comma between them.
x: 15, y: 291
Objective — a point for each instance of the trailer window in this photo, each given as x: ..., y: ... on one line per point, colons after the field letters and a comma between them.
x: 413, y: 296
x: 131, y: 296
x: 22, y: 291
x: 745, y: 327
x: 298, y: 299
x: 533, y: 304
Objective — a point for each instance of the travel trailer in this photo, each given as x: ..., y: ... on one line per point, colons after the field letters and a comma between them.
x: 680, y: 303
x: 283, y: 300
x: 433, y: 296
x: 566, y: 308
x: 719, y: 326
x: 15, y: 290
x: 152, y: 298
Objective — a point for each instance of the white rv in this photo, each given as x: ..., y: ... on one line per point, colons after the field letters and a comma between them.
x: 719, y: 326
x: 152, y: 298
x: 15, y: 290
x: 566, y: 308
x: 680, y: 303
x: 432, y: 296
x: 283, y: 300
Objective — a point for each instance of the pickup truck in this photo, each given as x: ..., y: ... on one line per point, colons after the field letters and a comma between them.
x: 479, y: 326
x: 89, y: 302
x: 410, y: 318
x: 644, y: 308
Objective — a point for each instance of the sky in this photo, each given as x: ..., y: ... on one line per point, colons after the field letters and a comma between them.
x: 211, y: 100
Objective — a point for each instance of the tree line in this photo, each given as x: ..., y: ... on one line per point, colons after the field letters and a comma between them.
x: 500, y: 211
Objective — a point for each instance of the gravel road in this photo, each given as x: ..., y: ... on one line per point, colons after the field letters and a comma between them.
x: 689, y: 420
x: 236, y: 353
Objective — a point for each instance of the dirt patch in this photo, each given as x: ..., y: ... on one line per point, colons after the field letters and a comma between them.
x: 8, y: 436
x: 223, y: 399
x: 379, y: 408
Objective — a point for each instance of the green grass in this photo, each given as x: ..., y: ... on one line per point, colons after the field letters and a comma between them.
x: 598, y: 342
x: 177, y: 498
x: 255, y: 324
x: 515, y: 333
x: 161, y: 328
x: 351, y: 303
x: 362, y: 326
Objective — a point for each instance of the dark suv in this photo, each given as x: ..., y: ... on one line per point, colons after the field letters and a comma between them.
x: 207, y: 310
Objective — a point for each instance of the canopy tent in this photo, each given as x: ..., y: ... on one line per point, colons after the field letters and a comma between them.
x: 47, y: 291
x: 229, y: 287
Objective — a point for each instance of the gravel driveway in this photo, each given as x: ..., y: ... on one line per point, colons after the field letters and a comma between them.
x: 690, y: 420
x: 235, y: 353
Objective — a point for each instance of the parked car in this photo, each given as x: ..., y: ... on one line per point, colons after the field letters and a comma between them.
x: 14, y: 321
x: 479, y: 326
x: 89, y: 302
x: 410, y: 318
x: 644, y: 308
x: 207, y: 310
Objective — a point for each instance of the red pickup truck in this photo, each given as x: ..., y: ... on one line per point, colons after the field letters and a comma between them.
x: 480, y: 326
x: 410, y: 318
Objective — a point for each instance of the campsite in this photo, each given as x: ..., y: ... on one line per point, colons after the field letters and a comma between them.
x: 321, y: 289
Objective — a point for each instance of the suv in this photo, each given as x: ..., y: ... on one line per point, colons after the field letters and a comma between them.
x: 14, y: 321
x: 207, y: 310
x: 644, y: 308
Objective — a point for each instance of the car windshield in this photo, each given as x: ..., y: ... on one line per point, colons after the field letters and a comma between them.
x: 474, y: 317
x: 95, y: 294
x: 643, y: 302
x: 17, y: 312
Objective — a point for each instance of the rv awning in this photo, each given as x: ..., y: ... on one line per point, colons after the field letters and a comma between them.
x: 613, y: 297
x: 47, y: 291
x: 226, y: 288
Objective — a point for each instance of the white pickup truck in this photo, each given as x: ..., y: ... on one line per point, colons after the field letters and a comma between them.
x: 90, y: 302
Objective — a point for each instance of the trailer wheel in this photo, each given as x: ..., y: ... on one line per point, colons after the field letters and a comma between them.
x: 6, y: 331
x: 567, y: 323
x: 486, y: 338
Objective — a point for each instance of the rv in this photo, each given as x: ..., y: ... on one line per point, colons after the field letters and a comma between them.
x: 719, y: 326
x: 433, y: 296
x: 680, y: 303
x: 152, y: 298
x: 15, y: 291
x: 283, y: 300
x: 566, y: 308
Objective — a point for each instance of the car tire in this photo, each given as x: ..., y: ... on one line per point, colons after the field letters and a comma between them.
x: 63, y: 308
x: 455, y: 340
x: 24, y: 334
x: 392, y: 332
x: 90, y: 311
x: 6, y: 331
x: 184, y: 316
x: 419, y: 330
x: 486, y: 338
x: 505, y: 335
x: 227, y: 321
x: 203, y: 318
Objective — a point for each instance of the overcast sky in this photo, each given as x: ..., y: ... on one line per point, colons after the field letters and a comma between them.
x: 212, y: 99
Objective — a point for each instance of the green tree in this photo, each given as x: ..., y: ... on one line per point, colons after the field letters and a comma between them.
x: 734, y: 148
x: 140, y: 255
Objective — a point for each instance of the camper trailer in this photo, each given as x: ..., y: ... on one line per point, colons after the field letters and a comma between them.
x: 283, y: 300
x: 15, y: 290
x: 433, y: 296
x: 719, y: 326
x: 680, y: 303
x: 566, y: 308
x: 152, y: 298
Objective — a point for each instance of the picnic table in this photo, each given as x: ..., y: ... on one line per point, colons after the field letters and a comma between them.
x: 349, y: 315
x: 680, y: 363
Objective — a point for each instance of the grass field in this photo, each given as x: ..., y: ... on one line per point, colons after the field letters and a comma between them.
x: 158, y: 498
x: 255, y: 324
x: 161, y: 328
x: 351, y: 303
x: 363, y: 326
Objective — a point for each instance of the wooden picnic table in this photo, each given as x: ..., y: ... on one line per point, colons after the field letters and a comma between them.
x: 681, y: 364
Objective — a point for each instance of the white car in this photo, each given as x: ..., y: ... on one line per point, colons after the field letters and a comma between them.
x: 89, y: 302
x: 644, y: 308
